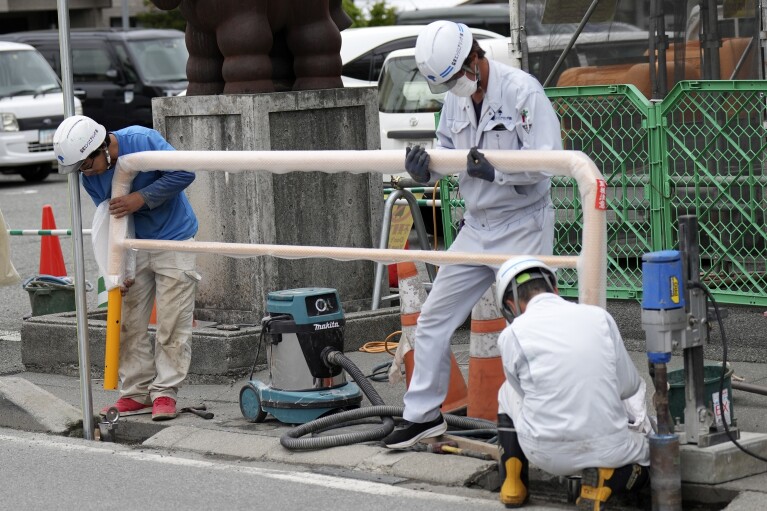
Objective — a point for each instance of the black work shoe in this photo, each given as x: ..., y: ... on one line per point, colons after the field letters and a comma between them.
x: 412, y: 432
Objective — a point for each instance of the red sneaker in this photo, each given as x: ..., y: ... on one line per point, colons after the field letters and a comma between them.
x: 127, y: 406
x: 164, y: 408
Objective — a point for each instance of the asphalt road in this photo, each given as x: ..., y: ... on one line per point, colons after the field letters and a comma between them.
x: 44, y: 472
x: 22, y: 205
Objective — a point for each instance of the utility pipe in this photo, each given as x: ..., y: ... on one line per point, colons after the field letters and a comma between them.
x: 591, y: 263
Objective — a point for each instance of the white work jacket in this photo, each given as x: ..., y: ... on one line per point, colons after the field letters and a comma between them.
x: 516, y: 114
x: 568, y: 363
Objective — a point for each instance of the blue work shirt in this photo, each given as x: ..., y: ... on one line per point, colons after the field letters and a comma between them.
x: 167, y: 214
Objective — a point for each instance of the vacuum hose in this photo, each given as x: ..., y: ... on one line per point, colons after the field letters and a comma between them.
x: 292, y: 439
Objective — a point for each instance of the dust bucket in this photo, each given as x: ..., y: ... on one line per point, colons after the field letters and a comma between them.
x: 711, y: 375
x: 49, y: 295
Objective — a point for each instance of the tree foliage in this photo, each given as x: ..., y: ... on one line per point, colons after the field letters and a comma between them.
x: 156, y: 18
x: 378, y: 14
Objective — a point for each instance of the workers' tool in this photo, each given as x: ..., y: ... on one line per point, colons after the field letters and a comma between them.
x: 199, y: 411
x: 108, y: 427
x: 449, y: 449
x: 302, y: 325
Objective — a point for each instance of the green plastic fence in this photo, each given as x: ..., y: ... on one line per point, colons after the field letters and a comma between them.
x: 701, y: 151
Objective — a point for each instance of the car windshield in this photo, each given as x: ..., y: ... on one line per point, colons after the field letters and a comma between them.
x: 403, y: 89
x: 26, y: 72
x: 160, y: 60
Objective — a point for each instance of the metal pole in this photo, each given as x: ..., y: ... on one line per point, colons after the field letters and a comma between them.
x: 73, y: 180
x: 126, y: 22
x: 515, y: 45
x: 571, y: 42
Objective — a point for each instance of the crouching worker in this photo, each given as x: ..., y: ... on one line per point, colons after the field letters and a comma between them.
x: 561, y: 406
x: 150, y: 376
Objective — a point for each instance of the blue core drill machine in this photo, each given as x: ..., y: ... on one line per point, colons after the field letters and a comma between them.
x: 674, y: 315
x: 300, y: 325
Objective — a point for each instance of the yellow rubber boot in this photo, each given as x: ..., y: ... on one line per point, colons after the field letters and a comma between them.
x: 513, y: 465
x: 599, y: 484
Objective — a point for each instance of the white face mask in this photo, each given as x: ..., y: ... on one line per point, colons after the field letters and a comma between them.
x: 464, y: 87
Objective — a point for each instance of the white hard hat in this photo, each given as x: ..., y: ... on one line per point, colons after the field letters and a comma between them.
x: 76, y: 138
x: 517, y: 271
x: 440, y: 50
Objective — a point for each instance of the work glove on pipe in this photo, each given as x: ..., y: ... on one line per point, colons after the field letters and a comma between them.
x: 478, y: 166
x: 417, y: 163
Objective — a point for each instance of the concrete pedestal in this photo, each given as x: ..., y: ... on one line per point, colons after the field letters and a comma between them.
x: 307, y: 208
x: 724, y: 462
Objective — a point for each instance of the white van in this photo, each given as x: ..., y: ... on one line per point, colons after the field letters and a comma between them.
x: 31, y: 108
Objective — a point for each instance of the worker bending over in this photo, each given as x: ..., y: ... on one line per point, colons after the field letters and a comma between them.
x: 562, y: 404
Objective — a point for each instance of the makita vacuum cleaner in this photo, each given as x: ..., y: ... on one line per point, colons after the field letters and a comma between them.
x: 300, y: 325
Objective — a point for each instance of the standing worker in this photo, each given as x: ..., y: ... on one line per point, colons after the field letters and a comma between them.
x: 562, y: 404
x: 490, y: 106
x: 161, y: 211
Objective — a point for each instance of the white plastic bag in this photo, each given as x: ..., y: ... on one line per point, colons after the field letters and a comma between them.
x: 100, y: 240
x: 8, y: 273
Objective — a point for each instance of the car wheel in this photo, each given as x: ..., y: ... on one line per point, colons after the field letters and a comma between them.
x: 35, y: 174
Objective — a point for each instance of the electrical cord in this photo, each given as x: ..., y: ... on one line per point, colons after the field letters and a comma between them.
x: 381, y: 346
x: 732, y: 438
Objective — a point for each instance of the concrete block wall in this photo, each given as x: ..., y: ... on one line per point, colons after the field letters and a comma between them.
x: 308, y: 208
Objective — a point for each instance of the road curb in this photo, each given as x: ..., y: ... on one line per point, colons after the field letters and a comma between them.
x: 456, y: 470
x: 25, y: 406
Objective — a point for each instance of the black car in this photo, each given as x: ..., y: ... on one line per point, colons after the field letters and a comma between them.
x: 117, y: 72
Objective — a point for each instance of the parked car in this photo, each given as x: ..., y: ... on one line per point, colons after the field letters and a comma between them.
x: 117, y: 72
x: 363, y: 50
x: 31, y: 108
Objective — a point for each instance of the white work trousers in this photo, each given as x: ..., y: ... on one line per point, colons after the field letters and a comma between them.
x: 565, y: 457
x: 148, y: 372
x: 453, y: 295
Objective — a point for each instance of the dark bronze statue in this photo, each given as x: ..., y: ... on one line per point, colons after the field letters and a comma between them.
x: 250, y: 46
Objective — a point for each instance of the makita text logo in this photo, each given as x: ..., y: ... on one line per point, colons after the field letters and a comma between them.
x: 325, y: 326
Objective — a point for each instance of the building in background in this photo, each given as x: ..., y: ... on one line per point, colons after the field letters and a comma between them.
x: 22, y: 15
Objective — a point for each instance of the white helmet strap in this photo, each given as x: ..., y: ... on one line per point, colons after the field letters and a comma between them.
x: 106, y: 152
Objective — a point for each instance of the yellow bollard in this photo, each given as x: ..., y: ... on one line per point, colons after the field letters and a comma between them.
x: 112, y: 348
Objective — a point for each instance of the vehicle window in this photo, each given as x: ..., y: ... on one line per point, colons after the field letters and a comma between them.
x: 90, y: 65
x: 613, y: 52
x: 25, y: 73
x: 403, y: 89
x: 126, y: 63
x: 541, y: 63
x: 160, y: 60
x: 368, y: 66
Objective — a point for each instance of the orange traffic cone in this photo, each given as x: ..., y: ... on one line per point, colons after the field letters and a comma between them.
x: 153, y: 317
x: 51, y: 258
x: 485, y: 367
x: 393, y: 275
x: 412, y: 294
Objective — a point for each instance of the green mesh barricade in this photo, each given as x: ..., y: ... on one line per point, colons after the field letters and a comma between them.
x: 715, y: 141
x: 609, y: 124
x: 701, y: 151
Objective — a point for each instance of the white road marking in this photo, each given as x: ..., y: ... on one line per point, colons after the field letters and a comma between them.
x: 325, y: 481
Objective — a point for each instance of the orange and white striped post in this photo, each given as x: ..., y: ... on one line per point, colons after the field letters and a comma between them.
x: 485, y: 367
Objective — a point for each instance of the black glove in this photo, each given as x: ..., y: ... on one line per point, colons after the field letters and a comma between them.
x: 478, y: 166
x: 417, y: 163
